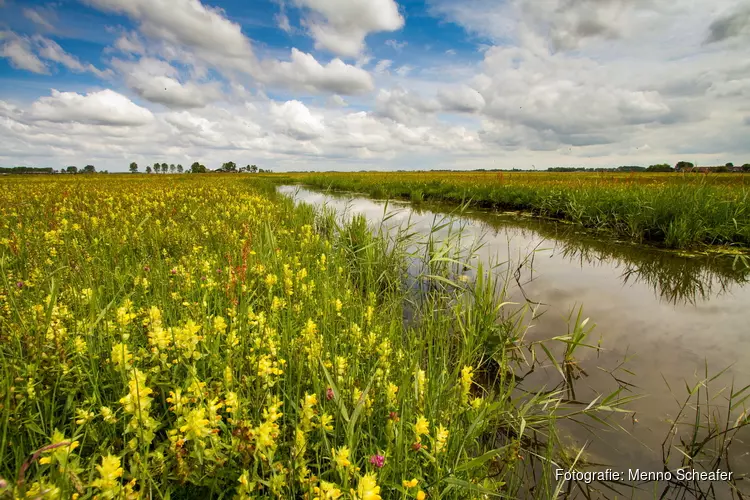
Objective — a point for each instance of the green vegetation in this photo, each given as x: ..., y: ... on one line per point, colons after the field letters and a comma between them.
x: 193, y: 336
x: 25, y: 170
x: 672, y: 210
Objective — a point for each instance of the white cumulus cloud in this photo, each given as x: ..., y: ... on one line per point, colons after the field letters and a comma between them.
x: 340, y: 26
x: 293, y: 118
x: 304, y: 72
x: 158, y: 81
x: 105, y: 107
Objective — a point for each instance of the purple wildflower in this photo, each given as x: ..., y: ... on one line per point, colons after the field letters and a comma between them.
x: 378, y: 461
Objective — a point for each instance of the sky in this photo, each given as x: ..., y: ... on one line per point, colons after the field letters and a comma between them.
x: 374, y: 84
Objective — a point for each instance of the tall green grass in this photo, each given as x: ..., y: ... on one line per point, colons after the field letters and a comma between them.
x: 672, y: 210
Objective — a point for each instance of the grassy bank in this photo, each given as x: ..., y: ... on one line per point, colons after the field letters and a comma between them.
x: 672, y: 210
x: 195, y: 337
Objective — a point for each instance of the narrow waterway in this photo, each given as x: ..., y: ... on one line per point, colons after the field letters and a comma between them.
x: 660, y: 318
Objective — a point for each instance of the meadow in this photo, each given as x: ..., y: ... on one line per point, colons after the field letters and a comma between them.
x: 199, y: 336
x: 203, y: 337
x: 672, y: 210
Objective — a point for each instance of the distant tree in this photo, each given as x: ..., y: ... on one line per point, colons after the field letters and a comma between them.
x: 729, y: 165
x: 89, y: 169
x: 253, y: 169
x: 229, y: 166
x: 179, y: 169
x: 662, y: 167
x: 164, y: 168
x: 682, y: 165
x: 71, y: 169
x: 157, y: 167
x: 197, y: 168
x: 148, y: 169
x: 172, y: 168
x: 746, y: 167
x: 134, y: 168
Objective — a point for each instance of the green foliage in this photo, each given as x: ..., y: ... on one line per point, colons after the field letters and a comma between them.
x: 662, y: 167
x: 229, y: 166
x: 675, y: 211
x: 256, y: 349
x: 26, y: 170
x: 197, y: 168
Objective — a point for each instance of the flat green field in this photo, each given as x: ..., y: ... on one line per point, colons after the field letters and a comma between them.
x: 667, y: 209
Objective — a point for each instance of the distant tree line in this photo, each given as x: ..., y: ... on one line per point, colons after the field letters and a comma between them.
x: 88, y: 169
x: 682, y: 166
x: 196, y: 168
x: 26, y: 170
x: 231, y: 167
x: 625, y: 168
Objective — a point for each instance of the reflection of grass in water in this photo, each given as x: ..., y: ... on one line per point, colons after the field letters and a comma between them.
x: 673, y: 278
x: 708, y: 424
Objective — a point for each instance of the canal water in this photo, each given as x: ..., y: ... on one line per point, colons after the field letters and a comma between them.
x: 662, y: 319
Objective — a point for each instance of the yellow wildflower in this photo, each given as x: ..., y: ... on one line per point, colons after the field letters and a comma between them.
x: 326, y: 491
x: 107, y: 414
x: 121, y: 355
x: 271, y: 280
x: 231, y: 402
x: 246, y: 487
x: 341, y: 457
x: 411, y: 483
x: 441, y: 438
x: 220, y: 324
x: 391, y: 393
x: 466, y: 381
x: 367, y: 488
x: 421, y: 380
x: 326, y: 422
x: 109, y: 473
x: 84, y: 416
x: 421, y: 428
x: 196, y: 426
x: 308, y: 410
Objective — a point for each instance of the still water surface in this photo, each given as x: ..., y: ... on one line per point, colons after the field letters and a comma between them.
x: 665, y: 316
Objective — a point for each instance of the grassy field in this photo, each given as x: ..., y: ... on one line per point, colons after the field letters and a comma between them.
x: 196, y: 336
x: 672, y: 210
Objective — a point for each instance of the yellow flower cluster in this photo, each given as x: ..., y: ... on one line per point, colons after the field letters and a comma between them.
x: 183, y: 317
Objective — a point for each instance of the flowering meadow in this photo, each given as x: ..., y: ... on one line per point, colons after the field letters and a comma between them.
x: 200, y: 336
x: 674, y: 210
